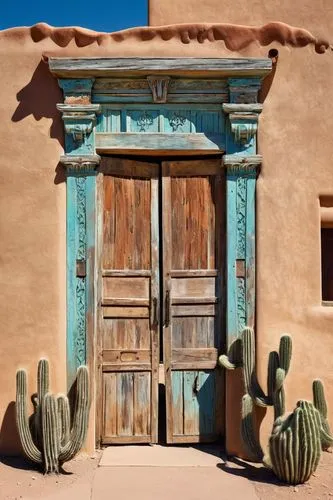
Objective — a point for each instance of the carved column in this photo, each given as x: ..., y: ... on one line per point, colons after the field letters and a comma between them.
x: 242, y: 166
x: 80, y: 162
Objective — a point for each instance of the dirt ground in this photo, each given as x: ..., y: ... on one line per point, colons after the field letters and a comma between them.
x: 18, y: 480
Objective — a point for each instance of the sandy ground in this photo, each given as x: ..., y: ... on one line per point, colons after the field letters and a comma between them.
x: 20, y: 480
x: 83, y: 480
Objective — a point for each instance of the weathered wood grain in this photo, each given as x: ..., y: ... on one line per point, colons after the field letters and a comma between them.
x: 193, y: 266
x: 128, y: 276
x: 180, y: 66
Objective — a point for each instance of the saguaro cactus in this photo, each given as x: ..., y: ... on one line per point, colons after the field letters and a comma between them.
x: 51, y: 441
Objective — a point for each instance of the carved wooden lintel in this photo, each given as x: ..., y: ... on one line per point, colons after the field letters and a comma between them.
x: 159, y: 87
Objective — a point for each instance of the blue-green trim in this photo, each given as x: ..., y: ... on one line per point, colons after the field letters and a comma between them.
x: 241, y: 183
x: 80, y: 161
x: 81, y: 194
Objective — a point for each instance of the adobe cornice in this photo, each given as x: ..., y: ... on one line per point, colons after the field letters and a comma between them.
x: 235, y: 37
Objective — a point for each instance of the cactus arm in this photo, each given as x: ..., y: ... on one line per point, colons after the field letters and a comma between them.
x: 273, y: 365
x: 319, y: 401
x: 233, y: 359
x: 80, y: 421
x: 50, y: 433
x: 225, y: 362
x: 252, y: 385
x: 319, y: 397
x: 64, y: 419
x: 42, y: 379
x: 285, y: 352
x: 22, y: 422
x: 248, y: 434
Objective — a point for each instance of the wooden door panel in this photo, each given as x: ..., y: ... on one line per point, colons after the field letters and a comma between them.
x: 130, y: 289
x: 193, y: 400
x: 127, y: 403
x: 193, y: 241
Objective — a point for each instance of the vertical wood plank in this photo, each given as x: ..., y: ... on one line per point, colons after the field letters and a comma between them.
x: 191, y: 405
x: 177, y: 402
x: 141, y: 404
x: 206, y: 400
x: 110, y: 404
x: 125, y: 400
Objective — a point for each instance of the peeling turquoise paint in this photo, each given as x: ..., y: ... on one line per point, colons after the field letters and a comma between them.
x: 80, y: 162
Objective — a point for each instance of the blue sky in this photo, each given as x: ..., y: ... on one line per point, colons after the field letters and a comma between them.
x: 99, y: 15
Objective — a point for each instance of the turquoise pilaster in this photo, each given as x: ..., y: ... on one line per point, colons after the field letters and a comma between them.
x: 80, y: 162
x: 242, y: 166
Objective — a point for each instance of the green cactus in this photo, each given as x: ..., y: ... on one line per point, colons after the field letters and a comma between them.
x: 295, y: 444
x: 296, y: 440
x: 320, y: 403
x: 248, y: 433
x: 51, y: 440
x: 278, y: 367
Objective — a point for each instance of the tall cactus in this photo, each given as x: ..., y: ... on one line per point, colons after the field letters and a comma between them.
x: 51, y: 440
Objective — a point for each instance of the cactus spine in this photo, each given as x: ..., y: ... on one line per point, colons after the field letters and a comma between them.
x: 52, y: 441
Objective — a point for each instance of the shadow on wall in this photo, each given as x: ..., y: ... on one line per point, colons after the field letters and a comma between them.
x: 39, y: 99
x: 9, y: 438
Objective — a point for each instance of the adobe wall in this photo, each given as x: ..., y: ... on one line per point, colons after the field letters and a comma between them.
x: 295, y: 139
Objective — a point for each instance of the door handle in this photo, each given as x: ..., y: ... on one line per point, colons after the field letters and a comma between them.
x: 154, y: 315
x: 167, y: 308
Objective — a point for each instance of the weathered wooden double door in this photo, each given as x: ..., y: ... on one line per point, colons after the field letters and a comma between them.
x: 162, y: 299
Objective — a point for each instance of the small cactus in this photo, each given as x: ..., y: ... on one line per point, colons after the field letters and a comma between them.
x: 51, y: 440
x: 295, y: 445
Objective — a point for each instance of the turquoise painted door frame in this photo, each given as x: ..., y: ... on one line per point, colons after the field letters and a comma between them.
x: 133, y: 115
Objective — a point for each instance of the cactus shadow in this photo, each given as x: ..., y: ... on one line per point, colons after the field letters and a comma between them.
x: 256, y: 473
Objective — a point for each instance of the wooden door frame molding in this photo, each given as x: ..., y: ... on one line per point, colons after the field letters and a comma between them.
x: 227, y: 87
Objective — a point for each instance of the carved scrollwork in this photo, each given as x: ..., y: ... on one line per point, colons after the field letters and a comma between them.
x: 176, y: 121
x: 243, y: 121
x: 79, y: 131
x: 237, y: 165
x: 144, y: 121
x: 76, y: 165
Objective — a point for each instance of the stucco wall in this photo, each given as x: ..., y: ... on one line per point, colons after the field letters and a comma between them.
x: 295, y: 140
x: 32, y: 228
